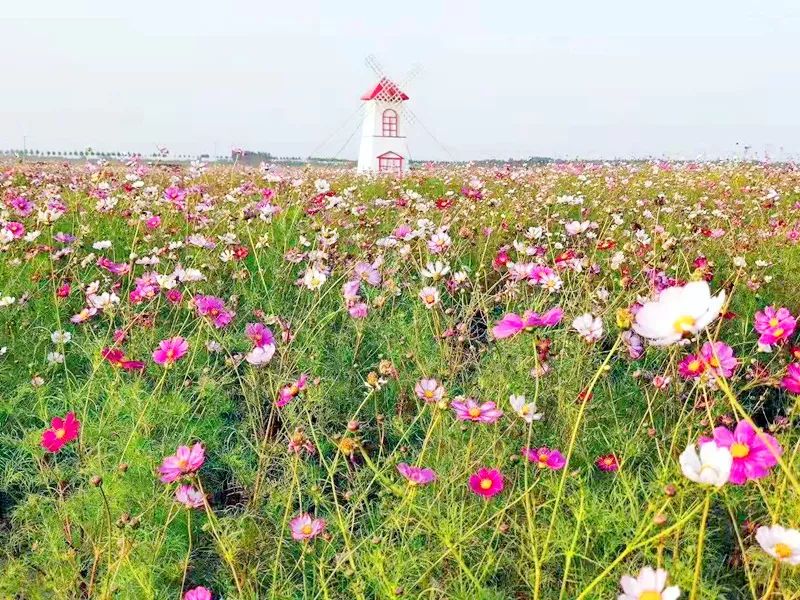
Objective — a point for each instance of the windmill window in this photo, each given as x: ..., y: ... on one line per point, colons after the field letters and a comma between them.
x: 390, y: 163
x: 389, y: 123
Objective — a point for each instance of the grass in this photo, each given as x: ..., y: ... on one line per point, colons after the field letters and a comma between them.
x: 570, y: 533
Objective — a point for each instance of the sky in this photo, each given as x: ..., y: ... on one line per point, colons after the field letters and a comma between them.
x: 498, y: 79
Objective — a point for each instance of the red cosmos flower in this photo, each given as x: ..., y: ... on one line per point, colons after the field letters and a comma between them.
x: 61, y: 432
x: 116, y: 357
x: 240, y: 252
x: 444, y: 203
x: 63, y: 290
x: 606, y: 244
x: 607, y: 462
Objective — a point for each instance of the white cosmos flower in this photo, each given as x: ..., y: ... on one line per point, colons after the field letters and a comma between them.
x: 711, y: 467
x: 650, y: 584
x: 102, y: 245
x: 55, y: 358
x: 589, y: 326
x: 435, y: 270
x: 526, y: 410
x: 260, y: 355
x: 779, y: 542
x: 61, y: 337
x: 314, y: 278
x: 678, y: 311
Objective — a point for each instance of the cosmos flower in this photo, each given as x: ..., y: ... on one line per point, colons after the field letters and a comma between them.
x: 691, y: 367
x: 291, y: 391
x: 712, y: 466
x: 367, y: 273
x: 185, y: 461
x: 198, y: 593
x: 774, y: 325
x: 754, y: 453
x: 607, y: 462
x: 678, y: 311
x: 486, y: 482
x: 314, y: 279
x: 214, y: 310
x: 429, y: 390
x: 719, y: 358
x: 305, y: 528
x: 527, y: 411
x: 589, y: 327
x: 545, y: 458
x: 650, y: 584
x: 260, y: 355
x: 60, y: 432
x: 782, y: 543
x: 170, y: 351
x: 416, y: 475
x: 116, y: 357
x: 791, y: 381
x: 512, y: 324
x: 189, y: 496
x: 429, y: 296
x: 469, y: 410
x: 259, y: 334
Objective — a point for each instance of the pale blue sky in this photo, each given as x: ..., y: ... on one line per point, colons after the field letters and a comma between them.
x: 506, y: 79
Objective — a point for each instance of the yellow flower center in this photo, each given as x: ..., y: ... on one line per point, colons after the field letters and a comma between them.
x: 683, y: 324
x: 428, y: 394
x: 182, y: 464
x: 474, y: 412
x: 782, y: 550
x: 430, y: 299
x: 778, y: 332
x: 695, y: 365
x: 60, y: 433
x: 170, y: 354
x: 486, y: 484
x: 650, y: 595
x: 714, y: 362
x: 543, y: 460
x: 773, y: 322
x: 739, y: 450
x: 306, y: 529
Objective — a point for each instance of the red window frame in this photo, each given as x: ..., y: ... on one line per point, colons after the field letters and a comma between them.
x: 390, y: 164
x: 390, y: 123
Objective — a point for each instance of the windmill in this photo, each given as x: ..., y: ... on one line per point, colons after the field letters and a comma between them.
x: 386, y: 123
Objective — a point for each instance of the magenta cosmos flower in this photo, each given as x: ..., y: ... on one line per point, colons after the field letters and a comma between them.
x: 486, y: 482
x: 214, y: 310
x: 259, y: 334
x: 753, y: 454
x: 791, y: 382
x: 691, y: 367
x: 416, y: 475
x: 198, y: 593
x: 545, y: 458
x: 774, y: 325
x: 305, y: 528
x: 61, y: 432
x: 170, y: 350
x: 719, y: 358
x: 469, y: 410
x: 185, y: 460
x: 291, y: 391
x: 512, y: 324
x: 429, y: 390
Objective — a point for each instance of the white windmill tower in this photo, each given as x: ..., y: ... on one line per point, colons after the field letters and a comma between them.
x: 385, y: 128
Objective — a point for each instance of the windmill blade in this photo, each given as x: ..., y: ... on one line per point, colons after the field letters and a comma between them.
x: 373, y: 64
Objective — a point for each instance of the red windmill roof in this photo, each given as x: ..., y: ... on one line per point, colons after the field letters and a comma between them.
x: 385, y: 90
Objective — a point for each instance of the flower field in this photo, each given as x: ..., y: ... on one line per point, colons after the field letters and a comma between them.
x: 568, y: 381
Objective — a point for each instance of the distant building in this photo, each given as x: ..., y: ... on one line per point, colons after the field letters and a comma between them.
x: 384, y: 146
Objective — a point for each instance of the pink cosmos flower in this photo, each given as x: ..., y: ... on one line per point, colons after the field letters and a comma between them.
x: 719, y: 358
x: 368, y: 273
x: 486, y: 482
x: 170, y: 350
x: 753, y: 454
x: 305, y: 528
x: 198, y: 593
x: 774, y: 325
x: 791, y: 382
x: 359, y: 310
x: 153, y: 222
x: 692, y: 366
x: 259, y: 334
x: 512, y: 324
x: 185, y: 460
x: 291, y: 391
x: 60, y: 432
x: 189, y: 496
x: 429, y: 390
x: 545, y: 457
x: 214, y: 309
x: 469, y: 410
x: 416, y: 475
